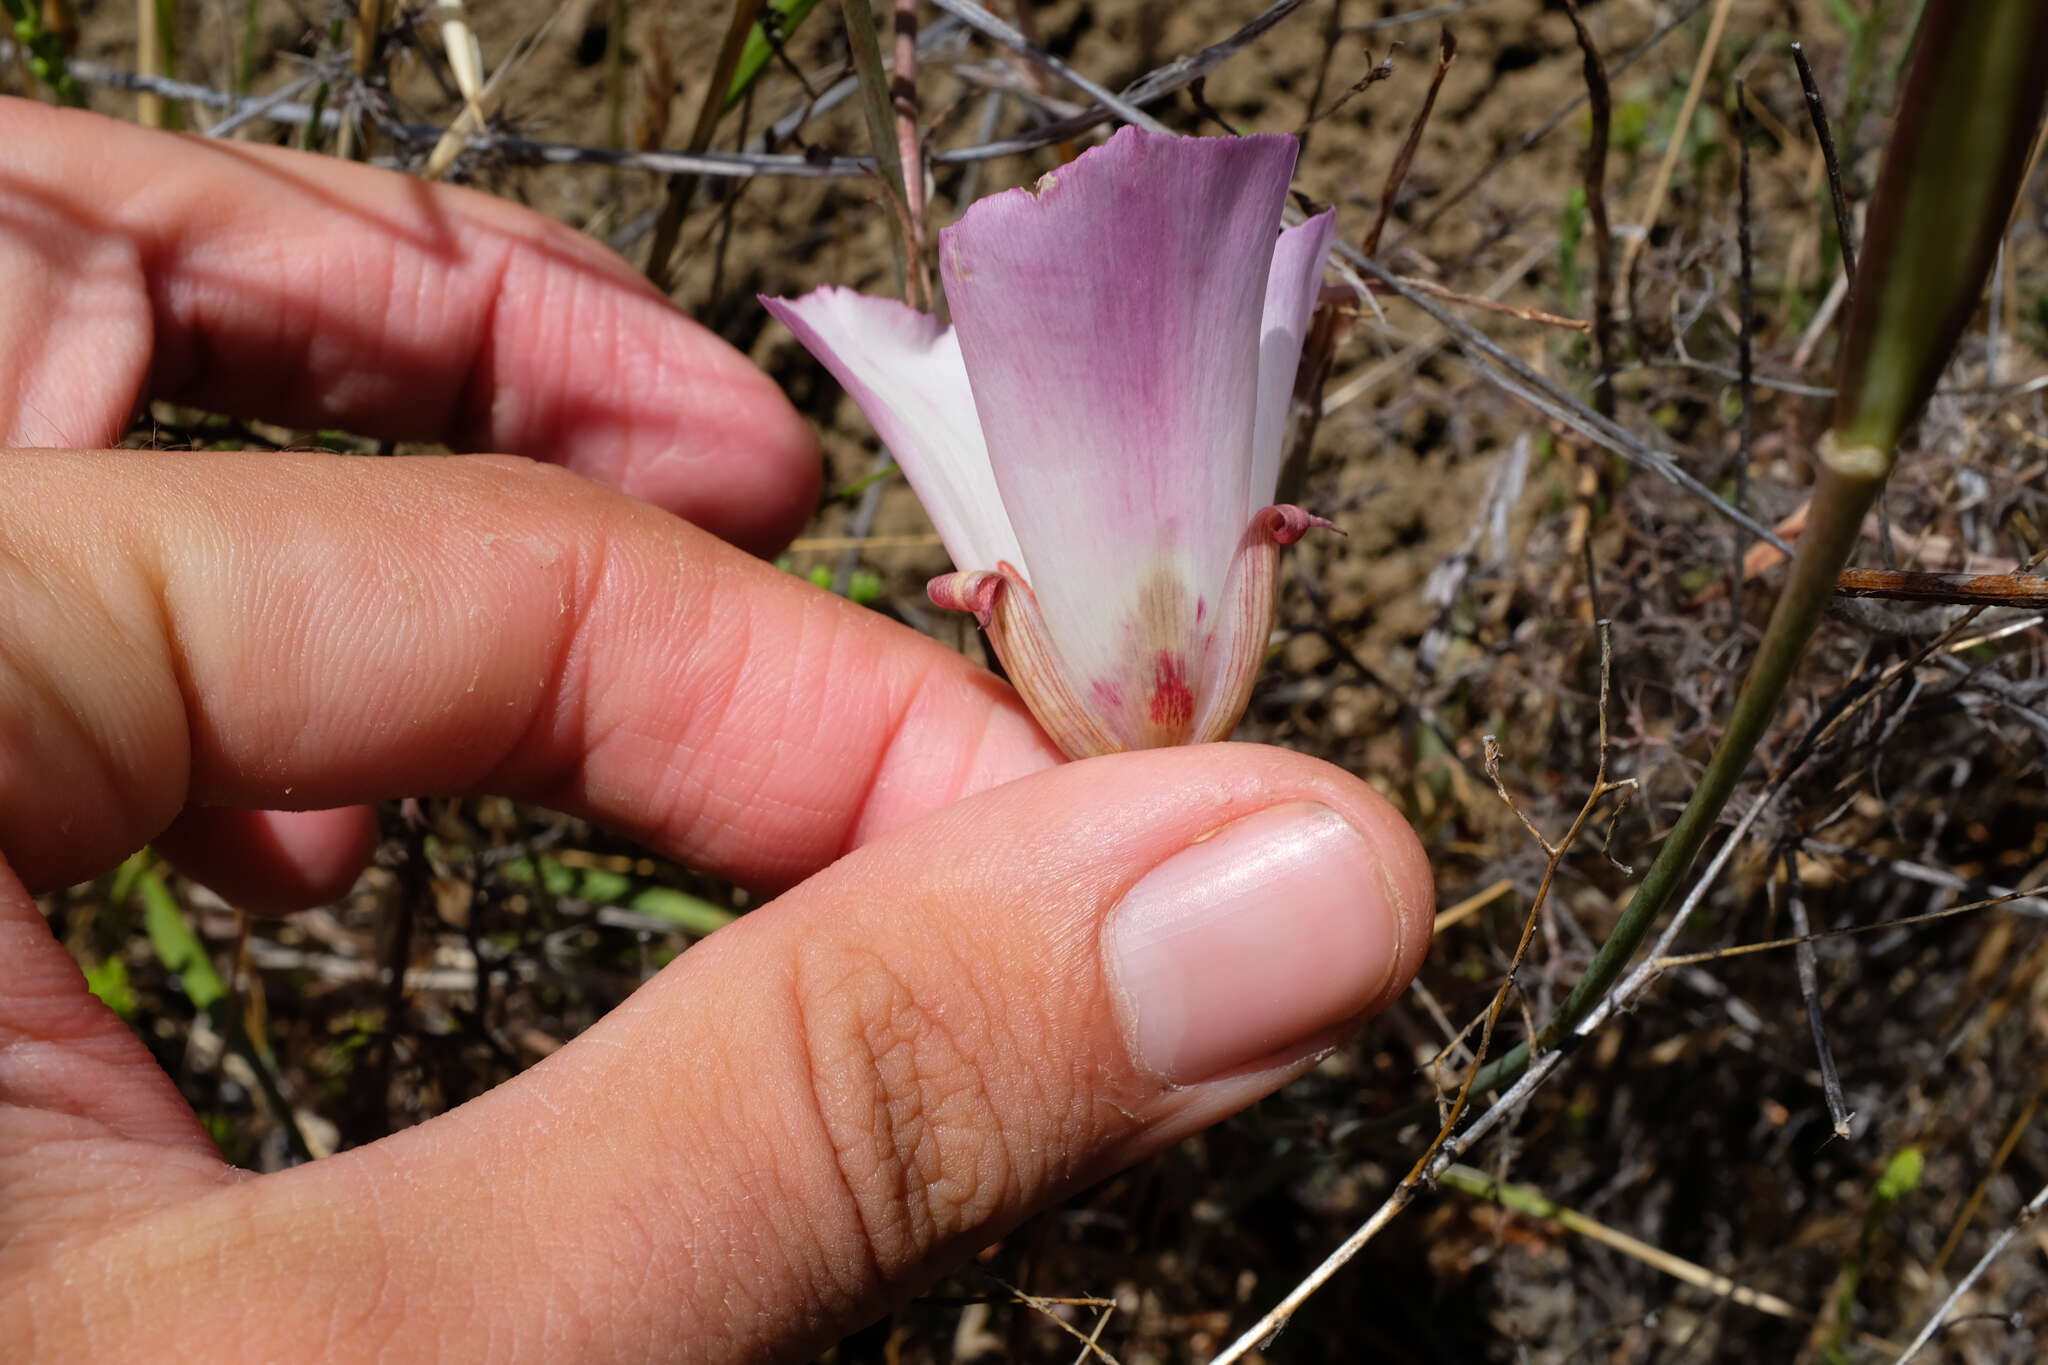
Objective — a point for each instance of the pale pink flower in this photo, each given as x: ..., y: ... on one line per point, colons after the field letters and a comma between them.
x: 1097, y: 436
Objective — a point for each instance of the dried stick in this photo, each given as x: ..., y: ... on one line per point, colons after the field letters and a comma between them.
x: 1596, y: 208
x: 1405, y: 1192
x: 1990, y: 590
x: 1660, y: 184
x: 1550, y: 125
x: 149, y: 48
x: 1809, y: 991
x: 1745, y: 341
x: 1932, y: 1327
x: 986, y: 24
x: 369, y: 18
x: 682, y: 187
x: 1817, y: 111
x: 1446, y: 53
x: 1511, y: 374
x: 909, y: 148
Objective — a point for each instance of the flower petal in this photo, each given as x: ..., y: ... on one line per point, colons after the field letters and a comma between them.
x: 1236, y: 644
x: 1110, y: 325
x: 903, y: 368
x: 1291, y: 290
x: 1008, y: 611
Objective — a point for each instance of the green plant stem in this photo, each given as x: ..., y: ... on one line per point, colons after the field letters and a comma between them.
x: 1840, y: 501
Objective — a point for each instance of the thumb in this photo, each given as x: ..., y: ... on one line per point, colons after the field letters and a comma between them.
x: 819, y: 1109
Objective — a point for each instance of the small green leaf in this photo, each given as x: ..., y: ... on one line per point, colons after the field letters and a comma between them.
x: 754, y: 56
x: 1901, y: 1176
x: 680, y: 908
x: 176, y: 945
x: 109, y: 981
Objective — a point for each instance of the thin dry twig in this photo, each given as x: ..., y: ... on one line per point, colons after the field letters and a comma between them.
x: 1535, y: 315
x: 1852, y: 931
x: 1446, y: 53
x: 1968, y: 1213
x: 1660, y: 184
x: 1808, y: 973
x: 1533, y: 1203
x: 1404, y: 1193
x: 1928, y: 1331
x: 2028, y: 591
x: 1456, y: 196
x: 1817, y: 111
x: 1512, y: 375
x: 1596, y: 208
x: 1745, y: 346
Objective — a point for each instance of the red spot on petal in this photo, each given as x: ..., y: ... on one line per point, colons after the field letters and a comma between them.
x: 1173, y: 701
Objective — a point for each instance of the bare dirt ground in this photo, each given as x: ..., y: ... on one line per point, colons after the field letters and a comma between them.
x: 1701, y: 1205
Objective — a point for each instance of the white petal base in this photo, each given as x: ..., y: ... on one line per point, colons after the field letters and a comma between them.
x: 1174, y: 703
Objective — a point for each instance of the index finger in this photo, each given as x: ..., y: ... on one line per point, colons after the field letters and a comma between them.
x: 306, y: 631
x: 315, y: 292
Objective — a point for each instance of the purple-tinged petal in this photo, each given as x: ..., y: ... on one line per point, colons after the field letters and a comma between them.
x: 1008, y: 610
x: 1110, y: 324
x: 903, y: 368
x: 1291, y: 290
x: 1235, y: 646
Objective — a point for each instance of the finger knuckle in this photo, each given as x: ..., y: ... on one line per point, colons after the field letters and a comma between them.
x: 903, y: 1089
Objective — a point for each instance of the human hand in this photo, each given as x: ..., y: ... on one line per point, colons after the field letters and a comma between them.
x: 960, y: 1011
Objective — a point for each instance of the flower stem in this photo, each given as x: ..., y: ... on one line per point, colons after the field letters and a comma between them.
x: 1968, y: 115
x: 1840, y: 501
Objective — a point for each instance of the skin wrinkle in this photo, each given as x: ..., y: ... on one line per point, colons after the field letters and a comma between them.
x: 472, y: 410
x: 96, y: 757
x: 559, y: 718
x: 771, y: 1251
x: 914, y: 1168
x: 892, y: 733
x: 828, y: 639
x: 855, y: 1283
x: 712, y: 654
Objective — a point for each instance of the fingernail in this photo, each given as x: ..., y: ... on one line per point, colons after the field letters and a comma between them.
x: 1257, y: 939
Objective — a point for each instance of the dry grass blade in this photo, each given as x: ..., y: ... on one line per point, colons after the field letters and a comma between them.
x: 1472, y: 904
x: 877, y: 108
x: 1660, y: 183
x: 2018, y: 1128
x: 369, y: 20
x: 1533, y: 1203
